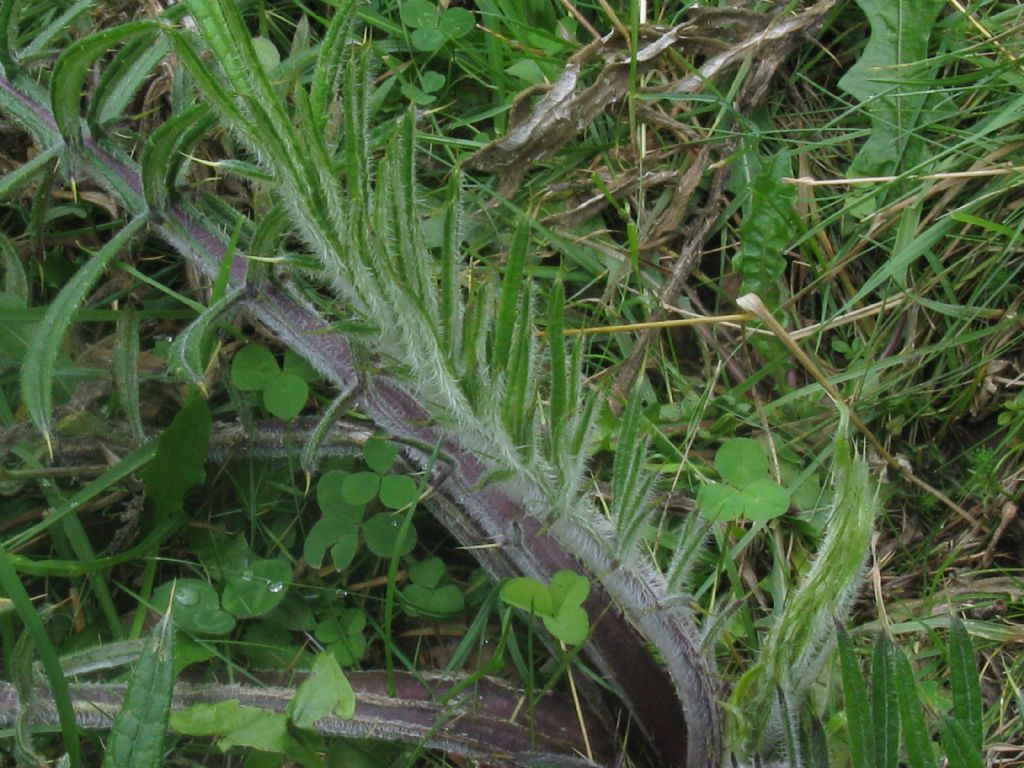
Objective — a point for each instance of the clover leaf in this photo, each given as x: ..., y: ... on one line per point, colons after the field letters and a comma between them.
x: 254, y: 369
x: 196, y: 607
x: 433, y: 28
x: 559, y: 605
x: 748, y: 491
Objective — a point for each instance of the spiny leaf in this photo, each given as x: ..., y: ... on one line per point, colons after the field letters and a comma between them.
x: 511, y: 287
x: 123, y: 76
x: 164, y: 152
x: 333, y: 51
x: 41, y: 357
x: 137, y: 736
x: 73, y: 67
x: 451, y: 306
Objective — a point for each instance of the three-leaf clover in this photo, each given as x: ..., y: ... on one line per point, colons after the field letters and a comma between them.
x: 343, y: 636
x: 429, y: 594
x: 254, y: 369
x: 747, y: 489
x: 559, y: 605
x: 432, y: 28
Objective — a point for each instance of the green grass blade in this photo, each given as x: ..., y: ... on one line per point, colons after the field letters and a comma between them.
x: 41, y: 357
x: 137, y: 736
x: 917, y: 741
x: 858, y: 718
x: 55, y: 28
x: 450, y: 294
x: 885, y: 717
x: 15, y: 591
x: 73, y: 67
x: 964, y: 682
x: 558, y: 406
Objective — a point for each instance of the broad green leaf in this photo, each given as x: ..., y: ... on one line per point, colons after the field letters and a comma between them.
x: 74, y: 66
x: 324, y: 535
x: 196, y: 607
x: 360, y: 488
x: 885, y: 718
x: 570, y: 624
x: 180, y: 460
x: 325, y: 692
x: 887, y: 77
x: 768, y: 229
x: 428, y: 573
x: 419, y: 14
x: 41, y: 358
x: 568, y: 588
x: 965, y: 685
x: 285, y: 395
x: 528, y: 594
x: 763, y: 500
x: 267, y: 53
x: 380, y: 454
x: 858, y: 712
x: 330, y: 497
x: 257, y: 589
x: 456, y: 22
x: 382, y: 532
x: 253, y: 367
x: 398, y: 491
x: 917, y: 740
x: 427, y: 39
x: 741, y: 461
x: 137, y: 735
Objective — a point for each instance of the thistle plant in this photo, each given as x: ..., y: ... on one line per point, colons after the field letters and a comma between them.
x: 458, y: 375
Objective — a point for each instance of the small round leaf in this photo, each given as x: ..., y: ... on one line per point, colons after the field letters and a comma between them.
x: 253, y: 367
x: 360, y: 488
x: 528, y: 594
x: 456, y: 23
x: 379, y: 454
x: 741, y: 460
x: 381, y: 533
x: 285, y: 395
x: 257, y: 589
x: 397, y: 491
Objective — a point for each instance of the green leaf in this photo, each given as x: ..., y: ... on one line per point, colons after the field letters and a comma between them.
x: 858, y: 717
x: 419, y: 14
x: 253, y: 367
x: 957, y: 744
x: 568, y: 588
x: 325, y: 534
x: 326, y: 691
x: 180, y: 460
x: 74, y: 66
x: 257, y: 589
x: 137, y: 735
x: 456, y: 23
x: 428, y: 573
x: 267, y: 53
x: 511, y: 287
x: 886, y: 78
x: 379, y: 453
x: 123, y: 76
x: 41, y: 358
x: 360, y: 488
x: 965, y: 685
x: 885, y: 718
x: 126, y: 369
x: 398, y: 491
x: 285, y: 395
x: 763, y: 500
x: 427, y: 39
x: 917, y: 740
x: 570, y: 624
x: 190, y: 352
x: 381, y: 533
x: 741, y: 461
x: 330, y: 497
x: 196, y: 608
x: 768, y: 229
x: 528, y: 594
x: 167, y: 148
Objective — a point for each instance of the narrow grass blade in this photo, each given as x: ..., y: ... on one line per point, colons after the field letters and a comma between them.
x: 41, y: 357
x: 15, y: 591
x: 964, y: 681
x: 137, y: 736
x: 55, y: 28
x: 858, y: 717
x: 885, y: 719
x: 74, y: 65
x: 917, y: 740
